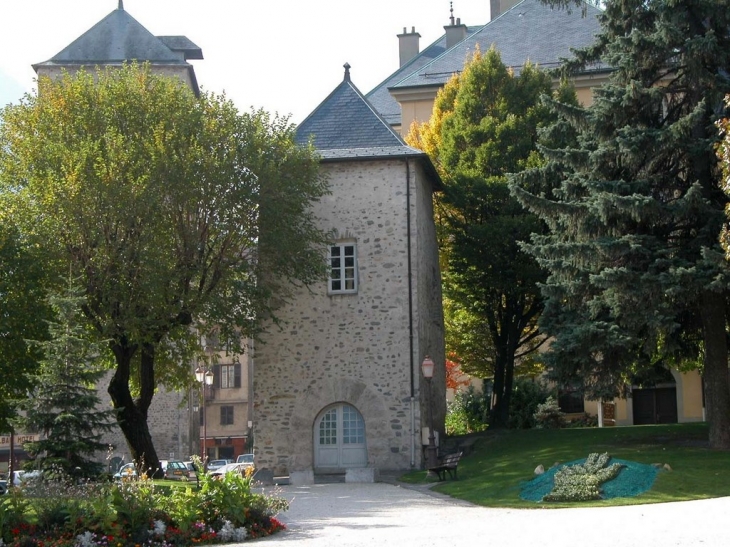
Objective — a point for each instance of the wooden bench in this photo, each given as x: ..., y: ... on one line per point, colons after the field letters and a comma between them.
x: 448, y: 464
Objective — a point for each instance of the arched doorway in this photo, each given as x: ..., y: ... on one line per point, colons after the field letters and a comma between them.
x: 339, y: 439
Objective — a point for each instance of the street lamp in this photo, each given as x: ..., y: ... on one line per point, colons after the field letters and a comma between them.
x: 427, y: 369
x: 204, y: 378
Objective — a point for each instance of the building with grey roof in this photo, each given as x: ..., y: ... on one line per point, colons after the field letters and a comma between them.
x: 527, y: 31
x: 340, y: 388
x: 119, y: 38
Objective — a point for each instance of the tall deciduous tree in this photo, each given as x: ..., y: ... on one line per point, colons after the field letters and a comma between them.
x: 167, y: 206
x: 637, y: 274
x: 64, y: 405
x: 484, y: 126
x: 23, y: 309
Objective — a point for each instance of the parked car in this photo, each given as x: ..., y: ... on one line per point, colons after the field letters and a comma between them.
x: 230, y: 468
x: 21, y: 477
x: 127, y: 471
x: 191, y: 466
x: 215, y: 464
x: 3, y: 486
x: 175, y: 470
x: 245, y: 458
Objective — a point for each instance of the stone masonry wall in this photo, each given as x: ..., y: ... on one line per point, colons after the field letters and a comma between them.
x: 351, y: 349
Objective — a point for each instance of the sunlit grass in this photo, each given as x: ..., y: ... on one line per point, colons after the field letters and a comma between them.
x: 493, y: 472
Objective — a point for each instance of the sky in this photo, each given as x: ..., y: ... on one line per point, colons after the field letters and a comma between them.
x: 284, y: 56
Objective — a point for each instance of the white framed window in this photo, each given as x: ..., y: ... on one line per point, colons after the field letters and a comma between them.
x: 343, y: 268
x: 230, y: 376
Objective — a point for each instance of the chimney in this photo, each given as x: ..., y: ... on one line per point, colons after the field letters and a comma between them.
x: 455, y: 31
x: 408, y: 46
x: 498, y: 7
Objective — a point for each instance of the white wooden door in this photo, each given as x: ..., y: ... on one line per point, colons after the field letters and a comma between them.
x: 339, y: 439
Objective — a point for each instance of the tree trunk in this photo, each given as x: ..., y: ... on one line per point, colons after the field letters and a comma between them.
x: 131, y: 414
x: 717, y: 388
x: 497, y: 415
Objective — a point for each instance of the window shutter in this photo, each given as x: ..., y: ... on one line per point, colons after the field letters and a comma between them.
x: 237, y: 375
x: 216, y: 376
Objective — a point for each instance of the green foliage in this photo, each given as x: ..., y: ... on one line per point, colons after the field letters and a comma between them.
x: 485, y: 126
x: 584, y: 420
x: 135, y: 502
x: 230, y: 498
x: 23, y: 309
x: 548, y: 415
x: 635, y: 211
x: 467, y: 413
x: 63, y: 405
x: 172, y: 209
x: 14, y: 508
x: 582, y: 482
x: 137, y: 512
x: 527, y: 395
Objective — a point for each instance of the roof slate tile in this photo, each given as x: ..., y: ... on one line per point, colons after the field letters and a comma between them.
x: 346, y: 120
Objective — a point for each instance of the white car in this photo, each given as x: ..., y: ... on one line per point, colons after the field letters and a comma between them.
x: 245, y: 458
x: 20, y: 477
x: 216, y: 464
x: 230, y: 468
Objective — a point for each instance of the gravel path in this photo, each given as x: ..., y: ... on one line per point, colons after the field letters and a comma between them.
x: 384, y: 515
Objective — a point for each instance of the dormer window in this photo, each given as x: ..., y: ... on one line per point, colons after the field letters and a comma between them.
x: 343, y: 268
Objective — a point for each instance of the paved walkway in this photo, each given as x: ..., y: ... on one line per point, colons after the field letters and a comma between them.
x: 385, y: 515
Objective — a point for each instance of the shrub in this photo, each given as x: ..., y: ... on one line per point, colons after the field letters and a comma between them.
x: 582, y: 482
x: 467, y: 413
x: 527, y: 394
x: 548, y: 415
x: 584, y: 420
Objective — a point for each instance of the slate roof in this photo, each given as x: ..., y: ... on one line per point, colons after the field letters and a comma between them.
x: 381, y: 98
x: 346, y: 120
x: 119, y: 37
x: 529, y: 30
x: 346, y: 127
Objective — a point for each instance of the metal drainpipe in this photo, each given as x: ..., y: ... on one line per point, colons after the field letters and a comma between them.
x: 410, y: 311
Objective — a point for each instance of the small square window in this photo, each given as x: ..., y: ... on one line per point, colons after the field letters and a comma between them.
x: 342, y: 268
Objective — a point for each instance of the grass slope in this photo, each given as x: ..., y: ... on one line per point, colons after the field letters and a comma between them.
x: 492, y: 473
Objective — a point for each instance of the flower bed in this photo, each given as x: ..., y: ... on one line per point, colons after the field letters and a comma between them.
x: 137, y: 513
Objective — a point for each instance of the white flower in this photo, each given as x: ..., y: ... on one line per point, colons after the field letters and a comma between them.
x: 84, y: 540
x: 239, y: 534
x: 228, y: 532
x: 159, y: 529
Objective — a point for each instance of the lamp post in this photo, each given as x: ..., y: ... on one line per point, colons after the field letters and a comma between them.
x: 427, y: 369
x: 205, y: 378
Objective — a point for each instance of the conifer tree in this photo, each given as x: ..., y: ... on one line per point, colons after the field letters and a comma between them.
x: 637, y: 275
x: 63, y: 406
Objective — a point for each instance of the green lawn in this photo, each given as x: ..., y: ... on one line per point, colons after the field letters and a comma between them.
x: 492, y: 473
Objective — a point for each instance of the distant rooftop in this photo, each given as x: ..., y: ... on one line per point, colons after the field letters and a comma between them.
x: 530, y: 31
x: 119, y: 37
